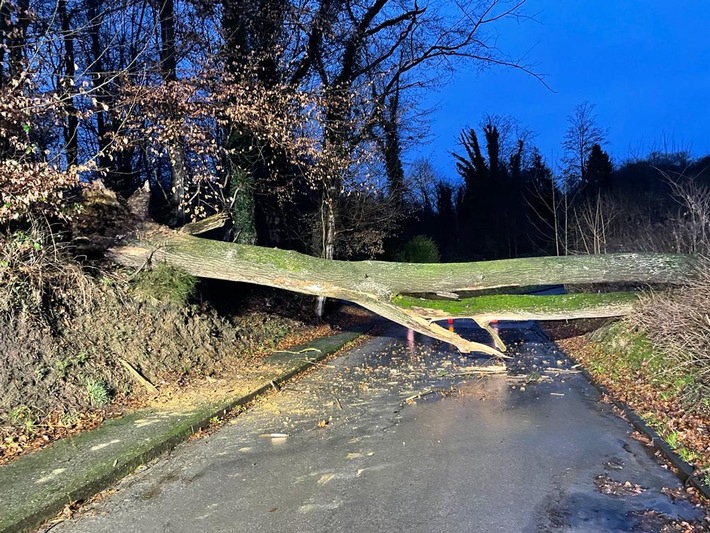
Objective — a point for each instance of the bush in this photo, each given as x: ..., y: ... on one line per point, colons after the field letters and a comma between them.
x: 29, y: 185
x: 420, y: 249
x: 35, y: 272
x: 165, y: 283
x: 677, y: 324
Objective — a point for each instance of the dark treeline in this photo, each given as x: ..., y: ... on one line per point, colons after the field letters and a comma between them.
x: 516, y: 206
x: 509, y: 202
x: 293, y: 118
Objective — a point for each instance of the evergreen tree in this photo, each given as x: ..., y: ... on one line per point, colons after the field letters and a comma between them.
x: 599, y: 170
x: 445, y: 229
x: 491, y: 204
x: 541, y: 200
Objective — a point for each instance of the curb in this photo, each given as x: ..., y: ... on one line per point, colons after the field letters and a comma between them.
x: 35, y: 488
x: 683, y: 470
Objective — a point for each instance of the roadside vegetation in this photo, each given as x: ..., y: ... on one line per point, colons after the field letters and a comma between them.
x: 657, y: 360
x: 84, y: 340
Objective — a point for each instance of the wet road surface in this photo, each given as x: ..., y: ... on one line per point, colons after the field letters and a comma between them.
x: 400, y: 435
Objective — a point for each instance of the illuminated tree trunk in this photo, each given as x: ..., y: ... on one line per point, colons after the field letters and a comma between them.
x: 381, y: 286
x: 328, y: 232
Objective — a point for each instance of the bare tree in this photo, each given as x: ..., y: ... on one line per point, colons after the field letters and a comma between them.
x: 582, y: 133
x: 542, y: 197
x: 421, y: 185
x: 591, y: 224
x: 691, y: 228
x: 366, y: 55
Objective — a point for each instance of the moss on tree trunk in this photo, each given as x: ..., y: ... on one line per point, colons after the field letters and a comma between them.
x: 379, y: 286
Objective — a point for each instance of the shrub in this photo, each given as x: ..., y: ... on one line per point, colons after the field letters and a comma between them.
x: 420, y: 249
x: 29, y: 184
x: 165, y: 283
x: 677, y: 324
x: 35, y: 272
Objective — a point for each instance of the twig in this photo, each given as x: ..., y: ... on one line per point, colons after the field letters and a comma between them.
x: 138, y: 376
x: 528, y: 380
x: 562, y: 371
x: 492, y: 369
x: 297, y: 352
x: 421, y: 394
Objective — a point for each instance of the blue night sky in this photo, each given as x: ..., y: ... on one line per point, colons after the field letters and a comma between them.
x: 645, y: 65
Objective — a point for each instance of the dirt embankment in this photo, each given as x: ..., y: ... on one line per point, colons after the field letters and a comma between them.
x: 81, y: 343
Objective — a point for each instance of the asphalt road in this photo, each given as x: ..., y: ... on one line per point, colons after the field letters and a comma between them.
x: 399, y: 436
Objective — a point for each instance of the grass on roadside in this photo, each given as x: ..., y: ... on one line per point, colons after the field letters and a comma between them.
x: 657, y: 360
x: 625, y: 360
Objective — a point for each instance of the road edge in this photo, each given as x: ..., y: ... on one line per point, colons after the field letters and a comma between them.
x: 682, y: 469
x: 44, y: 505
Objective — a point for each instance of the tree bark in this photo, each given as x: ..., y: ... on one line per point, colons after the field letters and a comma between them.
x: 379, y: 286
x: 67, y: 81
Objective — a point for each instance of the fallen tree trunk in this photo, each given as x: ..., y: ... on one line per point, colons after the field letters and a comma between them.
x: 379, y: 286
x: 486, y: 309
